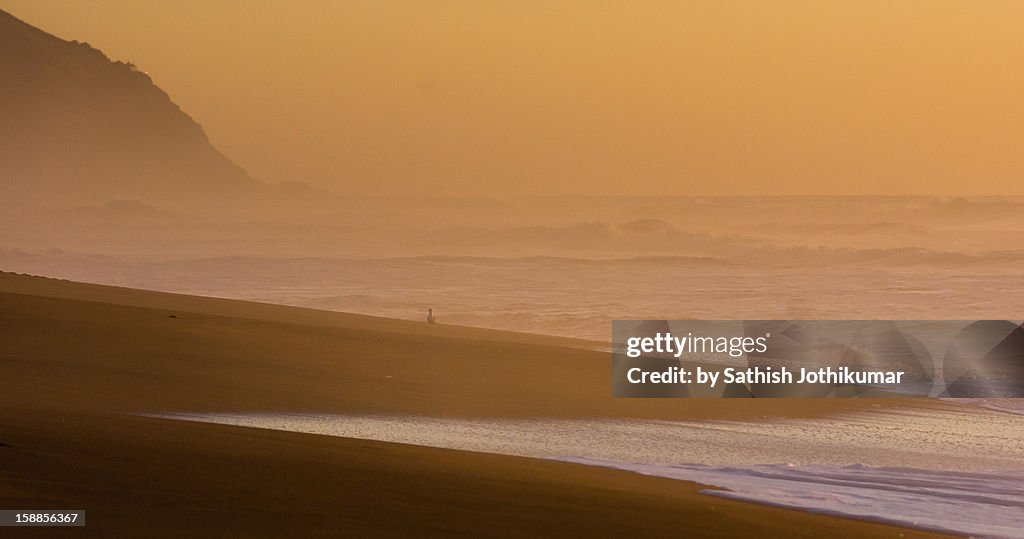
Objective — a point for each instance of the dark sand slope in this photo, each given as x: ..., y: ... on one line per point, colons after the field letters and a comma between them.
x: 76, y: 359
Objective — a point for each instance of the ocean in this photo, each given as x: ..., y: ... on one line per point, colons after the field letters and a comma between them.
x: 560, y: 265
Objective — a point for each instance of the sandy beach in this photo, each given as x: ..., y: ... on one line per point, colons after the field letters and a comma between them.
x: 79, y: 361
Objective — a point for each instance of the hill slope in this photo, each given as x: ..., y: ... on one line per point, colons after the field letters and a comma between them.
x: 80, y: 127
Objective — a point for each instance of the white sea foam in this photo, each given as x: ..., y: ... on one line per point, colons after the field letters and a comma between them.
x: 979, y: 504
x: 960, y: 469
x: 1009, y: 405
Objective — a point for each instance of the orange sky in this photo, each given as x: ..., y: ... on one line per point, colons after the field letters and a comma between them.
x: 556, y: 97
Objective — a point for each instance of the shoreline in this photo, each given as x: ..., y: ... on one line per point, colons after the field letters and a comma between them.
x: 914, y: 486
x: 166, y: 478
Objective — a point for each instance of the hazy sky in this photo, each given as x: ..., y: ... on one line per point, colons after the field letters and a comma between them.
x: 553, y: 97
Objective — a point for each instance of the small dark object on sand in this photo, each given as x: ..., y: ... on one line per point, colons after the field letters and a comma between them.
x: 172, y: 316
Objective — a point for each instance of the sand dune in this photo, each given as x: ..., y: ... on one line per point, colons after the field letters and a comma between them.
x: 77, y: 360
